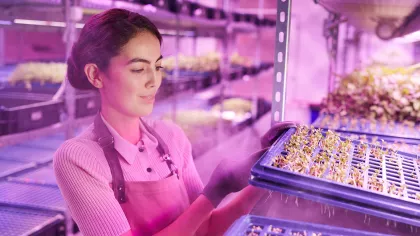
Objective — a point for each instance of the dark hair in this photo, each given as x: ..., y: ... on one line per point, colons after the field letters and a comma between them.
x: 102, y: 38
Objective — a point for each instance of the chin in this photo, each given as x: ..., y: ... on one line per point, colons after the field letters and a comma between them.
x: 145, y: 111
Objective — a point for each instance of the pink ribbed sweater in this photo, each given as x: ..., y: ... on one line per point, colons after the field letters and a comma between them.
x: 83, y: 174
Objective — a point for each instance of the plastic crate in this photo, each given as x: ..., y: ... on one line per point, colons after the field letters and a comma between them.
x: 261, y: 226
x: 20, y: 112
x: 8, y: 167
x: 215, y: 14
x: 21, y: 221
x: 357, y: 126
x: 34, y: 196
x: 400, y: 170
x: 43, y: 175
x: 87, y: 104
x: 26, y: 154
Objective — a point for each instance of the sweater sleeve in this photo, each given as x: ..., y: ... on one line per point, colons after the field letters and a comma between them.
x: 86, y: 191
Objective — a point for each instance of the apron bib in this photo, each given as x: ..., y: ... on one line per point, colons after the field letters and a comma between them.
x: 149, y: 206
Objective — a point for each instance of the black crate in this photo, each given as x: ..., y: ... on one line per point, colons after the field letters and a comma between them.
x: 24, y: 221
x: 237, y: 17
x: 20, y: 112
x: 214, y: 13
x: 87, y: 104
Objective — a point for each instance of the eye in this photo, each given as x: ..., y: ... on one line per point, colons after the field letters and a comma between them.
x: 159, y: 68
x: 137, y: 71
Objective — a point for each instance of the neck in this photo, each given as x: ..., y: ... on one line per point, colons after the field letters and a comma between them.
x: 127, y: 127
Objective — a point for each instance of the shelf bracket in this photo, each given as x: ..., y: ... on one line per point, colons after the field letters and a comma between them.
x: 283, y: 16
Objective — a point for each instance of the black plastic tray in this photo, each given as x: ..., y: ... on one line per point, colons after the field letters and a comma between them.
x: 271, y: 227
x: 21, y: 221
x: 405, y: 209
x: 34, y: 196
x: 26, y: 154
x: 20, y: 112
x: 398, y: 130
x: 87, y: 104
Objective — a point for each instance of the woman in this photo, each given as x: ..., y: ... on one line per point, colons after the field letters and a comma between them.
x: 131, y: 176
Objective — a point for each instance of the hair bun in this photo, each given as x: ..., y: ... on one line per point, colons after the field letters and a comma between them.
x: 76, y: 74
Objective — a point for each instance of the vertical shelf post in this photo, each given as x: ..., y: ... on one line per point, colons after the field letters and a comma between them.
x: 69, y: 91
x: 284, y: 9
x: 256, y: 81
x: 2, y: 47
x: 175, y: 81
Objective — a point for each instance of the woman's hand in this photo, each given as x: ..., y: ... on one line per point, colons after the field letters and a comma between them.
x: 274, y: 132
x: 231, y: 175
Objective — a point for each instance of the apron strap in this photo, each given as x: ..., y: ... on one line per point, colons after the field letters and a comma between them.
x: 106, y: 141
x: 162, y: 149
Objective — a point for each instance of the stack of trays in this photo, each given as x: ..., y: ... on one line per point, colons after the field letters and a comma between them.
x: 355, y: 176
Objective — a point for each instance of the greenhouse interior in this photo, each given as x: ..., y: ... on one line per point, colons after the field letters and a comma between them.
x: 253, y: 117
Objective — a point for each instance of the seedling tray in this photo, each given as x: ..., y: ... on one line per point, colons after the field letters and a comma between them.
x: 358, y: 126
x: 22, y: 221
x: 402, y: 144
x: 250, y: 225
x: 395, y: 170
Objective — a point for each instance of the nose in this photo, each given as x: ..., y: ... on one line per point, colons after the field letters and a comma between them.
x: 152, y: 79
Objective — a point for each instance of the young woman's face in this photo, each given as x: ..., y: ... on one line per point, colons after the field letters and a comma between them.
x: 133, y: 77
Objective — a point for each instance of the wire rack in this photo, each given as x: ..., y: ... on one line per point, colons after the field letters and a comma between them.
x: 21, y: 221
x: 26, y: 154
x: 32, y: 196
x: 386, y: 185
x: 357, y: 125
x: 8, y: 167
x: 43, y: 175
x: 250, y: 225
x: 47, y: 143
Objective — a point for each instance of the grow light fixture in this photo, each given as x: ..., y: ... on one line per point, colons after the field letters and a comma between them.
x: 409, y: 38
x: 44, y: 23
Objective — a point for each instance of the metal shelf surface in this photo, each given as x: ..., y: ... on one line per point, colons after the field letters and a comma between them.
x: 43, y: 175
x: 8, y: 167
x: 21, y: 221
x: 52, y: 11
x: 26, y: 154
x: 35, y: 196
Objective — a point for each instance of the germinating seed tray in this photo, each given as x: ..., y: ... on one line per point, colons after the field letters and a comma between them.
x: 386, y: 185
x: 250, y: 225
x: 357, y: 125
x: 401, y: 144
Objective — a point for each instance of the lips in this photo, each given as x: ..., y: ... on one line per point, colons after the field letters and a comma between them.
x: 148, y: 99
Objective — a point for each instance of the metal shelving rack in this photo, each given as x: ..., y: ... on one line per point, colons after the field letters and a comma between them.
x: 71, y: 15
x: 284, y: 9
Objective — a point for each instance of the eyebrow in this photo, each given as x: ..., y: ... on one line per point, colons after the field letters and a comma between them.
x: 134, y: 60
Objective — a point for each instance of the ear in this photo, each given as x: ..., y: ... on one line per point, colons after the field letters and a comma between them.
x: 92, y: 73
